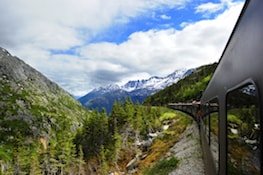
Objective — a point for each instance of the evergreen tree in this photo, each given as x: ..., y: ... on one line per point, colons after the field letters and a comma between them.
x: 118, y: 116
x: 35, y: 168
x: 117, y: 146
x: 104, y: 167
x: 137, y: 122
x: 129, y: 109
x: 80, y: 162
x: 93, y: 135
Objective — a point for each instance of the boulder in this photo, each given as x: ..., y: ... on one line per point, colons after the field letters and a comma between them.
x: 132, y: 164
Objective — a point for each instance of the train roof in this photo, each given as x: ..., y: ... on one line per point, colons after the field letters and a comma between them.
x: 242, y: 59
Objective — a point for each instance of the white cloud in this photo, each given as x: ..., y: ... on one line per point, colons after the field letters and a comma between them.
x: 33, y: 27
x: 210, y: 7
x: 165, y: 17
x: 184, y: 24
x: 62, y: 24
x: 163, y: 51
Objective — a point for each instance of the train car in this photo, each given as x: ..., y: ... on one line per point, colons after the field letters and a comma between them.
x: 232, y: 135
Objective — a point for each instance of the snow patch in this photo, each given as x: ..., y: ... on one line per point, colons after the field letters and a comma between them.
x: 155, y: 83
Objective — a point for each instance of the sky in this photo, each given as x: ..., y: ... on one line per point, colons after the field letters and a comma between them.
x: 86, y: 44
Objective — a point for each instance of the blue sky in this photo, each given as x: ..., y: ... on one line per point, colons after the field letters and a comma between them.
x: 163, y: 18
x: 85, y: 44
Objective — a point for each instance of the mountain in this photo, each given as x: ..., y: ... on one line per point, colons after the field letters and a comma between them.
x: 38, y: 119
x: 136, y: 90
x: 156, y: 83
x: 187, y: 89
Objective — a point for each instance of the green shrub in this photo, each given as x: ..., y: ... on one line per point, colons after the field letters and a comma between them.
x: 163, y: 167
x: 233, y: 119
x: 168, y: 116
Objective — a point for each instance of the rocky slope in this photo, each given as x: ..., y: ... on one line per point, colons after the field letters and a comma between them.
x: 188, y: 150
x: 26, y: 93
x: 34, y: 113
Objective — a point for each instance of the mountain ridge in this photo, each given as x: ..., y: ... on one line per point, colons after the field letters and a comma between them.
x: 136, y: 90
x: 35, y: 113
x: 187, y: 89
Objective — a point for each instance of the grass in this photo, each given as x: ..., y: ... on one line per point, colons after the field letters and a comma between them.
x: 5, y: 154
x: 163, y: 167
x: 173, y: 114
x: 168, y: 116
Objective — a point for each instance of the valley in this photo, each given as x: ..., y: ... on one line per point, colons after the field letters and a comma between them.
x: 44, y: 130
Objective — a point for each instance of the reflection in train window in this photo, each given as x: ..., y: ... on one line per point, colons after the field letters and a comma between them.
x: 214, y: 130
x: 206, y: 127
x: 243, y: 131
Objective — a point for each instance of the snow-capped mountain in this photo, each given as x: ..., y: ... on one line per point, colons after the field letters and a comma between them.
x: 155, y: 83
x: 108, y: 88
x: 137, y: 90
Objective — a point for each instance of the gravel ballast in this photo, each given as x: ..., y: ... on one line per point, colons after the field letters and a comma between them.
x: 188, y: 150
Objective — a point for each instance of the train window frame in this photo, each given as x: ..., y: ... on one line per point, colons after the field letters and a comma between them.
x: 216, y: 99
x: 206, y: 127
x: 258, y: 111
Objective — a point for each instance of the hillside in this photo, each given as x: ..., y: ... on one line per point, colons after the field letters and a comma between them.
x: 187, y: 89
x: 38, y: 120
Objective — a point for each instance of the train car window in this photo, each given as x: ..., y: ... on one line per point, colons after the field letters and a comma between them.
x: 243, y: 131
x: 214, y: 130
